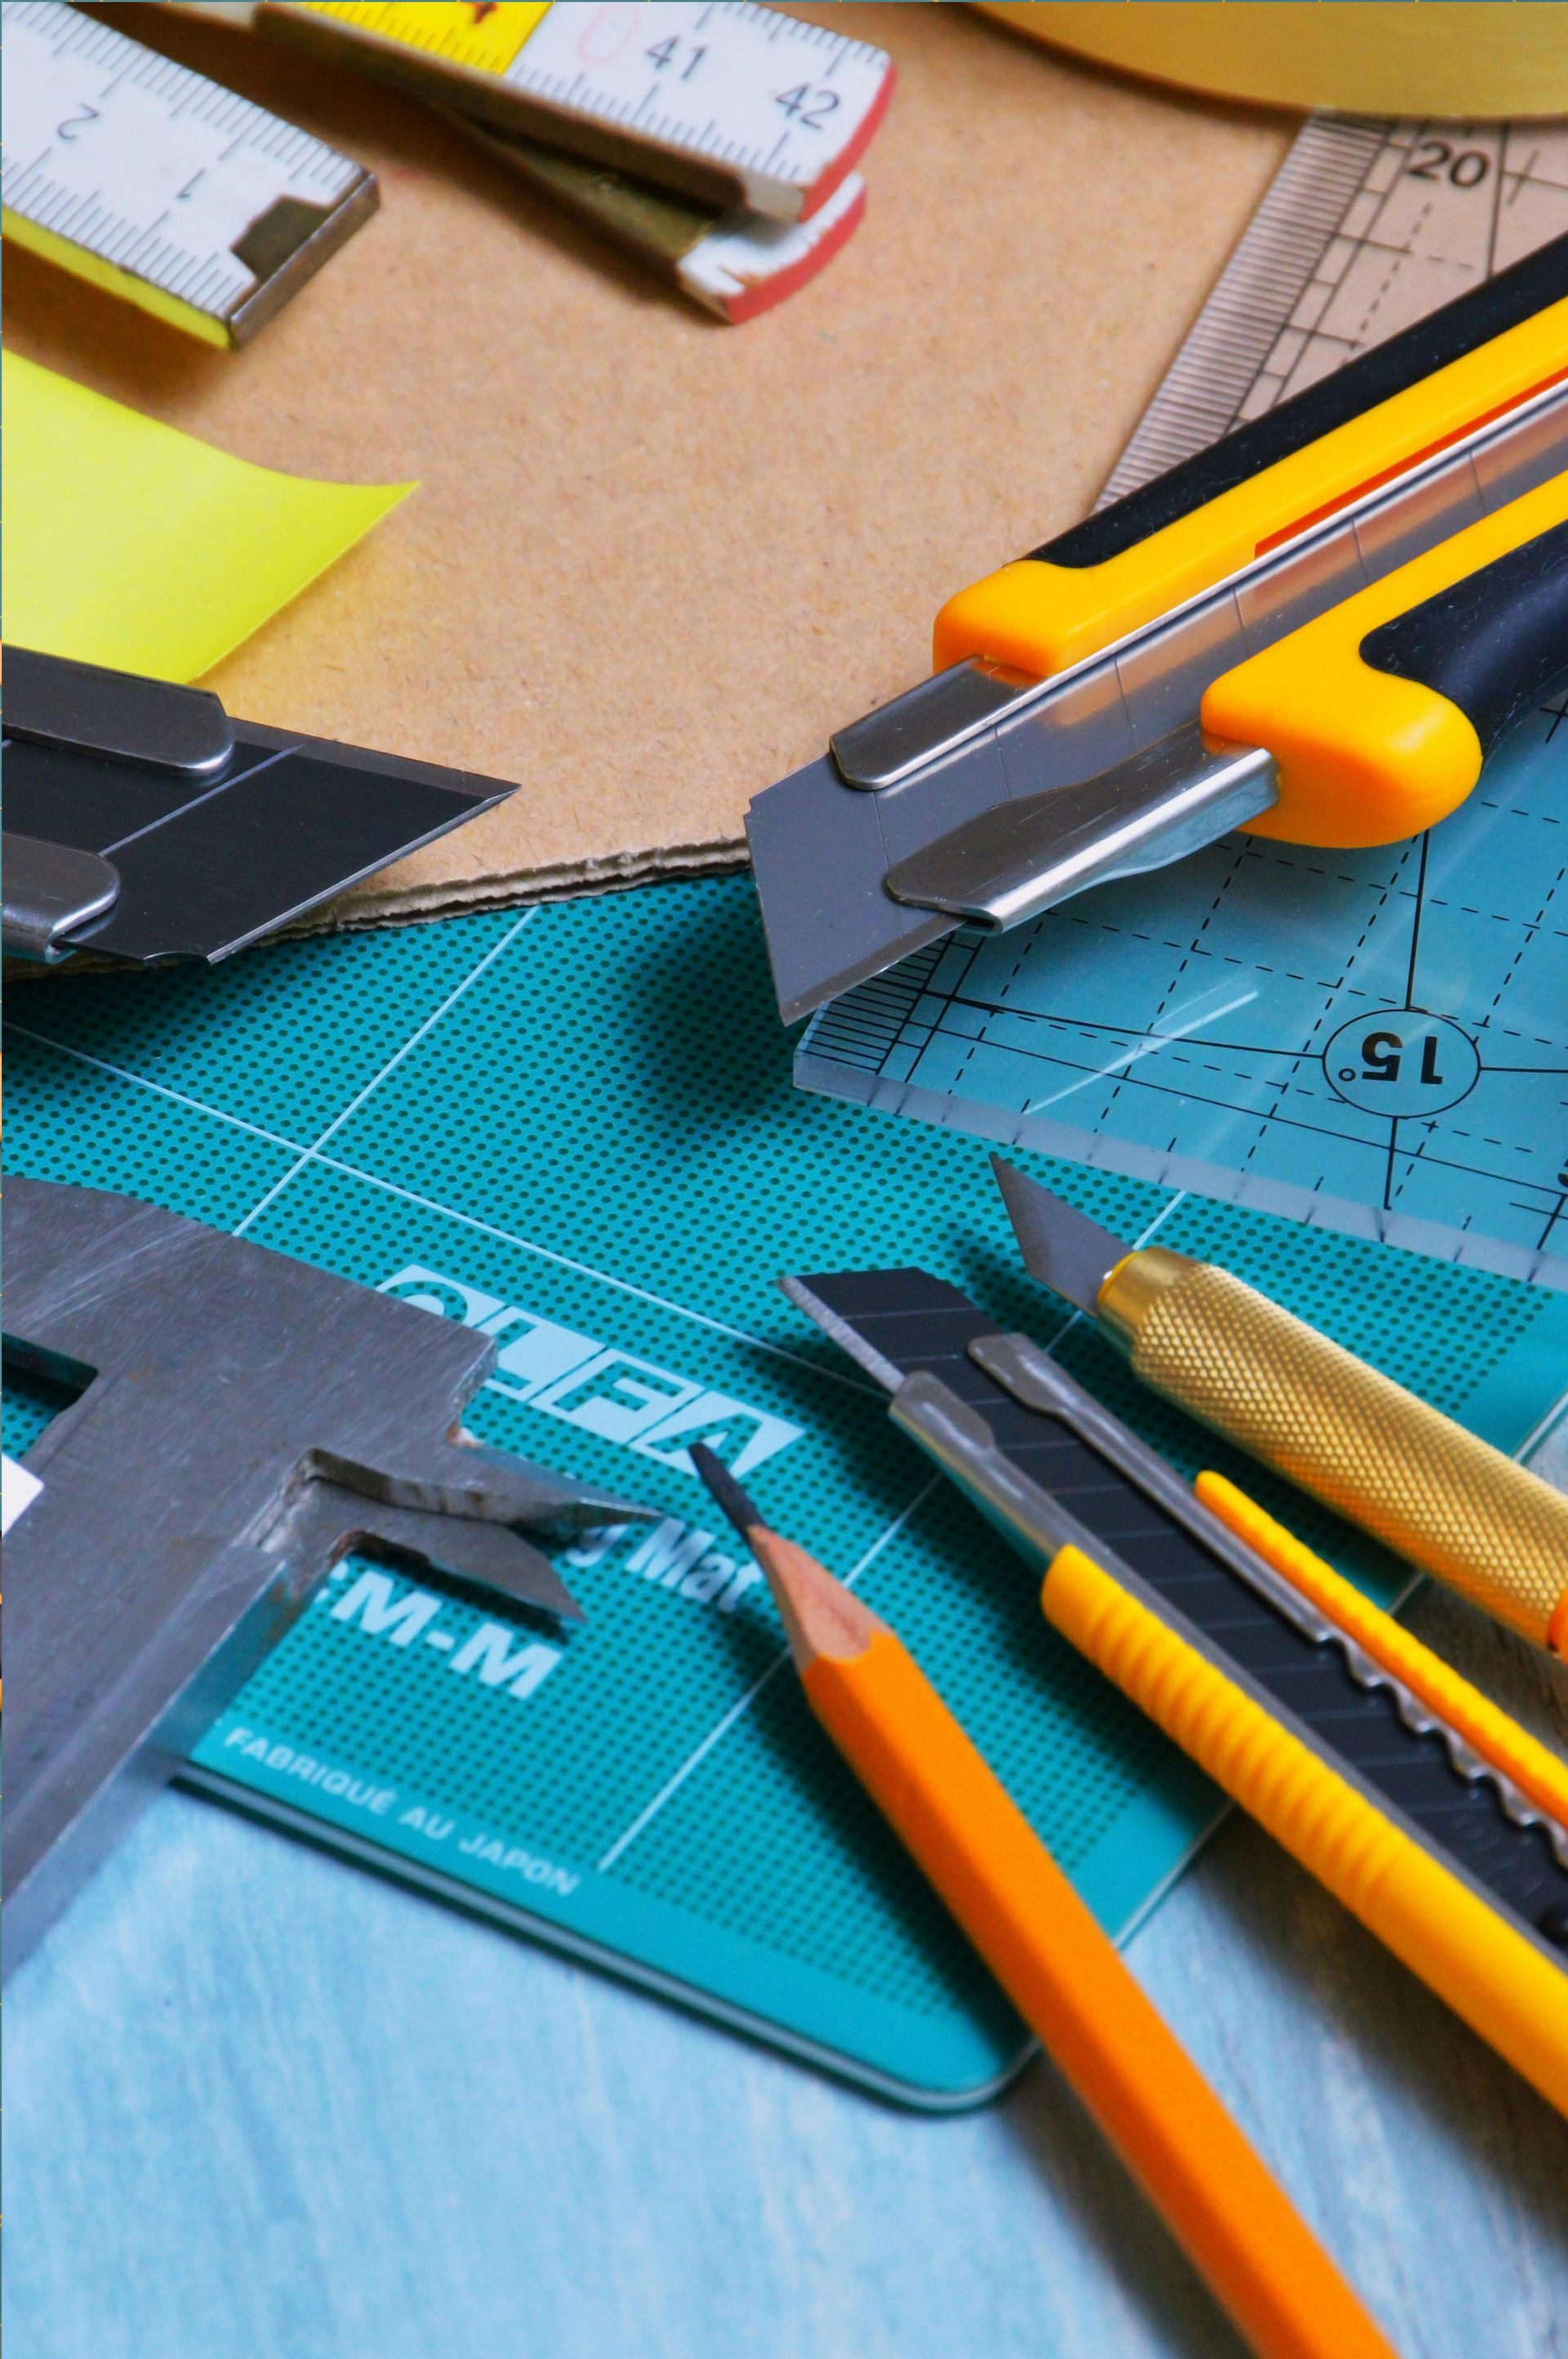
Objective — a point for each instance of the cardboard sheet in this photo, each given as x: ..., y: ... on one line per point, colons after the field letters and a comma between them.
x: 191, y: 549
x: 655, y: 560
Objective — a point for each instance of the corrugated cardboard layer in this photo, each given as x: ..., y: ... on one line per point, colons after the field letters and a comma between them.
x: 655, y: 560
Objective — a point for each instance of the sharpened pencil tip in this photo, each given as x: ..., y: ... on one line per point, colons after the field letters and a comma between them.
x: 723, y: 1489
x: 820, y: 1616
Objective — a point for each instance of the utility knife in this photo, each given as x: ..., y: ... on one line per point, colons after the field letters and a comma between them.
x: 1314, y: 630
x: 143, y: 824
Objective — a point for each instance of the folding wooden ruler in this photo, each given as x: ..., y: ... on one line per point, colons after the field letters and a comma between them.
x: 159, y: 185
x: 731, y: 103
x: 712, y: 139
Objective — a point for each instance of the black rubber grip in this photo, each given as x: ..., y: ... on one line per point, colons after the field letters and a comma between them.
x: 1460, y: 327
x: 1492, y: 644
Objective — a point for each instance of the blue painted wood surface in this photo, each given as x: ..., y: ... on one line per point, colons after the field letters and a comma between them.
x: 264, y: 2105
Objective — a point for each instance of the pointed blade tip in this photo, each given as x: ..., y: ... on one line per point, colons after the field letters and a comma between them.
x: 1062, y: 1247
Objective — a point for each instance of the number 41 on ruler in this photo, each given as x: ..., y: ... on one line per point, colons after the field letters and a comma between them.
x: 729, y: 102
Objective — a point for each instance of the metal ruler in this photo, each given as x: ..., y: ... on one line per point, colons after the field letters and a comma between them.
x: 1367, y: 227
x: 725, y: 99
x: 1215, y: 1026
x: 159, y: 185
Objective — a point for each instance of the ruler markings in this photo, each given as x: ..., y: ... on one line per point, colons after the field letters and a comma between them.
x: 1222, y: 371
x: 1496, y: 212
x: 171, y: 169
x: 749, y: 67
x: 566, y: 61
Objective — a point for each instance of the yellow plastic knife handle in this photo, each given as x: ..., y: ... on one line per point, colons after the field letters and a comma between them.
x: 1303, y: 459
x: 1489, y: 1972
x: 1495, y: 1734
x: 1434, y: 1493
x: 1380, y: 712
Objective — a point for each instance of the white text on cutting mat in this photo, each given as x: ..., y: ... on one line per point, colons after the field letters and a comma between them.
x: 598, y: 1387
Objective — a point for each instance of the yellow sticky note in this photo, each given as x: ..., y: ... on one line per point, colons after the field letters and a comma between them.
x: 130, y: 544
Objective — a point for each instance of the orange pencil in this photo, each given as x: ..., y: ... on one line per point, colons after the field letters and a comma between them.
x: 1063, y: 1975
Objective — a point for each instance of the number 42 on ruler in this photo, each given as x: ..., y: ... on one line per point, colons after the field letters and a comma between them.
x: 729, y: 102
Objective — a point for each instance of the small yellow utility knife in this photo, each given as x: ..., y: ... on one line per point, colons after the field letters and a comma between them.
x: 1428, y: 1811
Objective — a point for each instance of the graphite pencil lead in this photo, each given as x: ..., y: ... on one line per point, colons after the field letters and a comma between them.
x: 820, y: 1616
x: 725, y: 1491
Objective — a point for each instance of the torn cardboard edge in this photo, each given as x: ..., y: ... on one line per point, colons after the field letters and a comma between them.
x: 368, y: 908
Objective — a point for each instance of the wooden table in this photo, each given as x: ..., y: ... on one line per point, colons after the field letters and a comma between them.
x: 266, y: 2105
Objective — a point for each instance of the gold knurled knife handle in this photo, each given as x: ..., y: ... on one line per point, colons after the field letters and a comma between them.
x: 1432, y: 1492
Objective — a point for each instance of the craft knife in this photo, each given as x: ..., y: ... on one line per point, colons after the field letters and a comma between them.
x: 1433, y: 1493
x: 1311, y: 630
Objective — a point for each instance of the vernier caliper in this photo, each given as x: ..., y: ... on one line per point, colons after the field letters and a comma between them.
x: 246, y: 1421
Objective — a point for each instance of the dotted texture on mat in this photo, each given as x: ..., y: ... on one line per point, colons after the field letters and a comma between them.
x: 585, y: 1113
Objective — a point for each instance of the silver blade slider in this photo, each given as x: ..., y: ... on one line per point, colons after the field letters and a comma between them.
x: 1022, y: 856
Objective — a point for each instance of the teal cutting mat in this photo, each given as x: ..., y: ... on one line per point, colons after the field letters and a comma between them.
x: 1376, y: 1041
x: 577, y: 1126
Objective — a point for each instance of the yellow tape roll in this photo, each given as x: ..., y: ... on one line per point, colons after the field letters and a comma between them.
x: 1465, y: 57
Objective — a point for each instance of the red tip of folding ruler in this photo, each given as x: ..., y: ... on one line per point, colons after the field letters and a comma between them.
x: 813, y: 199
x: 761, y: 293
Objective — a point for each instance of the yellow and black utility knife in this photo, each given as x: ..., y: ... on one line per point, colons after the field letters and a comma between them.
x: 1393, y: 1783
x: 1313, y: 630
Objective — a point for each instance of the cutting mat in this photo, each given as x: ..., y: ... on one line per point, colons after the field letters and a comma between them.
x: 577, y: 1127
x: 1374, y: 1041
